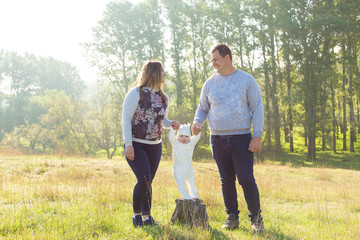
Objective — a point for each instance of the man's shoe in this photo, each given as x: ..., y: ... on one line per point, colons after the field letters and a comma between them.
x: 149, y: 221
x: 257, y: 224
x: 232, y: 222
x: 137, y: 221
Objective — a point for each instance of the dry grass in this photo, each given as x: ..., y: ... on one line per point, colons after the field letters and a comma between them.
x: 46, y: 197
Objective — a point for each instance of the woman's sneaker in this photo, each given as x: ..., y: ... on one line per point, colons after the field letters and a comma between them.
x: 149, y: 221
x: 137, y: 221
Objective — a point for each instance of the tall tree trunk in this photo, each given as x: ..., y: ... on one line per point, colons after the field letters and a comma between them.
x: 286, y: 129
x: 178, y: 82
x: 276, y: 114
x: 204, y: 59
x: 241, y: 51
x: 305, y: 134
x: 289, y: 112
x: 267, y: 99
x: 357, y: 74
x: 311, y: 110
x: 323, y: 129
x: 194, y: 73
x: 193, y: 81
x: 344, y: 123
x: 333, y: 104
x: 358, y: 109
x: 324, y: 75
x: 204, y: 53
x: 351, y: 104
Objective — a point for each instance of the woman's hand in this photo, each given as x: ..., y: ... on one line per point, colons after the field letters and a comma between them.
x: 175, y: 125
x: 129, y: 152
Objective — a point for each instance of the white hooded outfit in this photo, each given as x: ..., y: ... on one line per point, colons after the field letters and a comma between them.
x: 182, y: 161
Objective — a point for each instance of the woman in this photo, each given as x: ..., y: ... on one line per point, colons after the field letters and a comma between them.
x: 145, y: 112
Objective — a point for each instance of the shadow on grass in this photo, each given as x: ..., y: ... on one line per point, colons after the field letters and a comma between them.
x: 216, y: 234
x: 268, y: 234
x: 342, y: 160
x: 183, y: 232
x: 277, y: 235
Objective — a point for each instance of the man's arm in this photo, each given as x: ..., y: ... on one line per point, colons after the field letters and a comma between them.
x: 257, y: 111
x: 256, y: 107
x: 202, y: 111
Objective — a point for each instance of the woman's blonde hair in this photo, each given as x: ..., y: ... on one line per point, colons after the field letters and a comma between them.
x: 150, y: 76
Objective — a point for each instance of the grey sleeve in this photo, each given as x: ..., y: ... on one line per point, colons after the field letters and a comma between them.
x: 256, y: 107
x: 202, y: 110
x: 129, y: 107
x: 166, y: 123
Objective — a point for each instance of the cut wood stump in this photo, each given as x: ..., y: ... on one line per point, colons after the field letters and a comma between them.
x: 191, y: 212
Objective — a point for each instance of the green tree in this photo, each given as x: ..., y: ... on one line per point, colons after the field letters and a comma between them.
x: 103, y: 124
x: 28, y: 76
x: 66, y: 117
x: 179, y: 40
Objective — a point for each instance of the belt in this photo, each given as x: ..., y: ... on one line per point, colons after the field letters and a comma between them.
x: 231, y: 136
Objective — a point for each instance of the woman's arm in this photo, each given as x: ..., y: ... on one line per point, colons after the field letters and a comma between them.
x: 166, y: 123
x: 129, y: 107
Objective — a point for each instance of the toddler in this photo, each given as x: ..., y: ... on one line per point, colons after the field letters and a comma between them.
x: 182, y: 151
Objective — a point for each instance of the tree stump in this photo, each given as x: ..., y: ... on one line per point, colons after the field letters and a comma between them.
x: 191, y: 212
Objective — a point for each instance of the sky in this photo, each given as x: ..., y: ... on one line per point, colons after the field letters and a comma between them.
x: 51, y: 28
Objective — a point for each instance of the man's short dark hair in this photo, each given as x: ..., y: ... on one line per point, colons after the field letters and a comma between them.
x: 223, y: 50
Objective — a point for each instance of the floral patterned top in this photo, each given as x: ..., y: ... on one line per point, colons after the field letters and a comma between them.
x: 143, y: 119
x: 146, y: 122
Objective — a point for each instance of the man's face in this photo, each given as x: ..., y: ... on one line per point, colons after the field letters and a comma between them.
x: 218, y: 62
x: 183, y: 139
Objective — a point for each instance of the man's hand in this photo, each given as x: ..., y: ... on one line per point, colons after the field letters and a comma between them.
x: 129, y: 152
x: 196, y: 128
x: 175, y: 125
x: 255, y: 144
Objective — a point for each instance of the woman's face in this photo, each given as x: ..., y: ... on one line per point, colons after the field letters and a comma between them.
x: 163, y: 75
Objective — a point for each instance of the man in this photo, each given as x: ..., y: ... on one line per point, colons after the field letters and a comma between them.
x: 231, y: 99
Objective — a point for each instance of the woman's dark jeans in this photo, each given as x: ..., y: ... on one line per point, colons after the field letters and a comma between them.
x: 144, y: 166
x: 235, y: 160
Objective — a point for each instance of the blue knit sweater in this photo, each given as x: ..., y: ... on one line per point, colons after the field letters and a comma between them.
x: 231, y: 103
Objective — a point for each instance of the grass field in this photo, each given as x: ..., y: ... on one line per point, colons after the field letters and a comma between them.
x: 47, y: 197
x: 324, y: 159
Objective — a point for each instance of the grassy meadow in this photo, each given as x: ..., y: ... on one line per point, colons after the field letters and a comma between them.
x: 48, y: 197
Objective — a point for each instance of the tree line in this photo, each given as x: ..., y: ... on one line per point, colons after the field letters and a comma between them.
x: 303, y: 54
x: 45, y: 110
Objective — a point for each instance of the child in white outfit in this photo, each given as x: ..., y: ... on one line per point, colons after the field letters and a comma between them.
x: 182, y: 151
